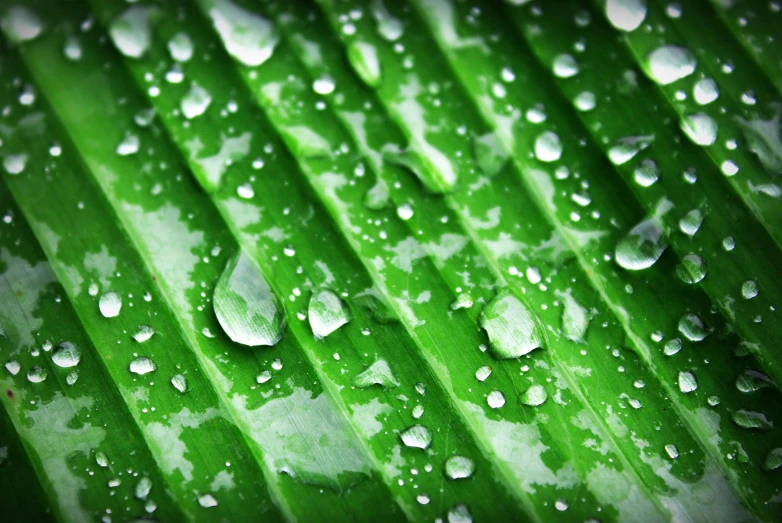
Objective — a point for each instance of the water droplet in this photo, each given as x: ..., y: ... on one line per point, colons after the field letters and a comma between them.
x: 246, y: 307
x: 705, y: 91
x: 404, y: 211
x: 687, y: 382
x: 495, y: 399
x: 21, y: 24
x: 751, y: 420
x: 459, y: 514
x: 101, y: 460
x: 129, y: 145
x: 207, y: 501
x: 143, y: 487
x: 513, y: 330
x: 642, y: 246
x: 670, y: 63
x: 14, y: 163
x: 110, y: 304
x: 181, y: 47
x: 247, y: 36
x: 626, y: 15
x: 245, y: 191
x: 749, y: 289
x: 575, y: 319
x: 693, y: 328
x: 72, y: 377
x: 324, y: 85
x: 389, y: 27
x: 418, y: 411
x: 417, y: 436
x: 647, y: 173
x: 459, y: 467
x: 363, y: 58
x: 66, y: 355
x: 626, y: 148
x: 752, y: 380
x: 13, y: 367
x: 36, y: 374
x: 672, y: 451
x: 327, y: 313
x: 179, y: 382
x: 263, y: 377
x: 534, y: 396
x: 773, y: 460
x: 729, y: 168
x: 692, y: 268
x: 143, y: 333
x: 379, y: 373
x: 691, y: 222
x: 195, y: 102
x: 672, y: 347
x: 561, y: 505
x: 585, y: 101
x: 565, y: 66
x: 700, y: 128
x: 548, y: 148
x: 131, y: 31
x: 142, y: 365
x: 483, y: 373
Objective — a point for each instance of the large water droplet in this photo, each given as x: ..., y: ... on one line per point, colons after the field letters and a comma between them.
x: 195, y: 102
x: 670, y: 63
x: 565, y: 66
x: 66, y: 355
x: 379, y: 373
x: 495, y: 399
x: 327, y: 313
x: 181, y: 47
x: 626, y: 148
x: 246, y: 307
x: 749, y: 289
x: 247, y: 36
x: 131, y: 31
x: 700, y: 128
x: 705, y: 91
x: 752, y: 380
x: 36, y: 374
x: 693, y: 328
x: 363, y: 57
x: 534, y: 396
x: 751, y: 420
x: 647, y: 173
x: 459, y: 467
x: 110, y: 304
x: 513, y: 330
x: 417, y: 436
x: 15, y: 163
x: 548, y: 148
x: 142, y: 365
x: 642, y: 246
x: 626, y: 15
x: 672, y: 347
x: 687, y: 382
x: 21, y: 24
x: 144, y: 333
x: 459, y: 514
x: 691, y: 222
x: 773, y: 459
x: 692, y: 268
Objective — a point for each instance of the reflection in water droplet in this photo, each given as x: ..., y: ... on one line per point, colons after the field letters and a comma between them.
x: 692, y: 268
x: 247, y: 36
x: 687, y: 382
x: 749, y: 289
x: 642, y: 246
x: 534, y: 396
x: 416, y: 436
x: 700, y: 128
x: 143, y: 333
x: 751, y: 420
x: 672, y: 347
x: 670, y: 63
x: 110, y: 304
x: 327, y: 313
x: 693, y: 328
x: 66, y: 355
x: 548, y: 148
x: 513, y: 330
x: 142, y: 365
x: 179, y: 382
x: 36, y: 374
x: 459, y: 467
x: 626, y: 15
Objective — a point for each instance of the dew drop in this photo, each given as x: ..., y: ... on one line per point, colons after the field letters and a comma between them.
x: 548, y: 148
x: 36, y: 374
x: 324, y: 85
x: 207, y: 501
x: 327, y: 313
x: 247, y: 36
x: 749, y: 289
x: 110, y: 304
x: 626, y: 148
x: 143, y: 487
x: 66, y: 355
x: 459, y: 514
x: 15, y: 163
x: 143, y: 333
x: 691, y: 222
x: 181, y: 47
x: 363, y: 58
x: 534, y: 396
x: 495, y: 399
x: 512, y: 329
x: 131, y: 31
x: 692, y: 268
x: 404, y: 211
x: 179, y: 382
x: 459, y: 467
x: 672, y: 451
x: 752, y: 380
x: 195, y: 102
x: 21, y: 24
x: 379, y: 373
x: 672, y: 347
x: 483, y: 373
x: 700, y: 128
x: 751, y: 420
x: 705, y: 91
x: 647, y: 173
x: 13, y: 367
x: 263, y: 377
x: 585, y: 101
x: 687, y: 382
x: 693, y: 328
x: 773, y: 460
x: 129, y: 145
x: 626, y: 15
x: 417, y: 436
x: 565, y: 66
x: 642, y: 246
x: 72, y: 377
x: 101, y: 460
x: 670, y: 63
x: 142, y: 365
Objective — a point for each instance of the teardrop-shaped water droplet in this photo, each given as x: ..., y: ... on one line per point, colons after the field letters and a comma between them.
x: 459, y: 514
x: 143, y: 333
x: 389, y: 27
x: 363, y: 57
x: 179, y: 382
x: 687, y: 382
x: 13, y: 367
x: 773, y: 459
x: 101, y: 459
x: 647, y: 173
x: 327, y: 313
x: 534, y: 396
x: 752, y: 380
x: 246, y: 307
x: 66, y: 355
x: 495, y: 399
x: 247, y: 36
x: 21, y: 24
x: 692, y: 268
x: 417, y: 436
x: 670, y: 63
x: 379, y: 373
x: 548, y: 147
x: 700, y: 128
x: 143, y: 487
x: 512, y: 329
x: 129, y: 145
x: 672, y: 347
x: 142, y: 365
x: 751, y: 420
x: 642, y: 246
x: 36, y: 374
x: 626, y: 148
x: 693, y: 328
x: 195, y: 102
x: 72, y: 377
x: 626, y: 15
x: 131, y: 31
x: 459, y: 467
x: 749, y: 289
x: 110, y: 304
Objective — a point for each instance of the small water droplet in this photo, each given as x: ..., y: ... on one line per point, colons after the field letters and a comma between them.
x: 561, y: 505
x: 324, y: 85
x: 110, y: 304
x: 672, y: 451
x: 142, y: 365
x: 626, y: 15
x: 670, y: 63
x: 14, y: 163
x: 144, y: 333
x: 66, y: 355
x: 143, y: 487
x: 181, y: 47
x: 700, y: 128
x: 642, y: 246
x: 548, y: 148
x: 687, y: 382
x: 495, y: 399
x: 691, y: 222
x: 195, y: 102
x: 672, y: 347
x: 207, y: 501
x: 565, y: 66
x: 693, y: 328
x: 585, y: 101
x: 13, y: 367
x: 705, y: 91
x: 483, y: 373
x: 404, y: 211
x: 72, y: 377
x: 417, y: 436
x: 459, y: 467
x: 101, y: 460
x: 459, y: 514
x: 179, y: 382
x: 692, y: 268
x: 327, y: 313
x: 131, y: 31
x: 245, y: 191
x: 36, y: 374
x: 647, y: 173
x: 749, y: 289
x: 534, y: 396
x: 263, y: 377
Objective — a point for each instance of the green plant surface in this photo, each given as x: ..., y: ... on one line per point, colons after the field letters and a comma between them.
x: 383, y: 259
